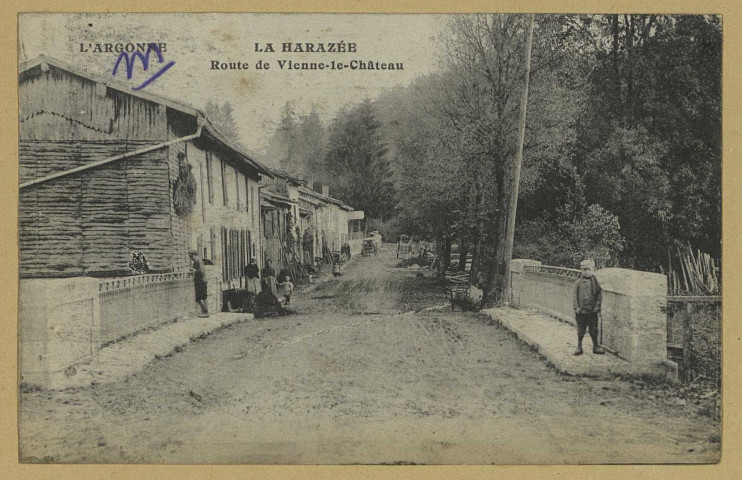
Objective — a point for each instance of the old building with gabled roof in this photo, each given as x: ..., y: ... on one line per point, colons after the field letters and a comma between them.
x: 99, y: 169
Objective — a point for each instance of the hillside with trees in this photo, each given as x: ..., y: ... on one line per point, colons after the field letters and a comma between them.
x: 622, y: 153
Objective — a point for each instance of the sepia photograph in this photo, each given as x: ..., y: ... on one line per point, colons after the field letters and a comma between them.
x: 369, y: 239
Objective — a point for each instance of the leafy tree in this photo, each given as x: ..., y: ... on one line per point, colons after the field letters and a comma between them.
x: 623, y: 115
x: 654, y: 111
x: 590, y: 233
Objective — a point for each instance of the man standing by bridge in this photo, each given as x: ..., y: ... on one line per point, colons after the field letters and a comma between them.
x: 587, y: 300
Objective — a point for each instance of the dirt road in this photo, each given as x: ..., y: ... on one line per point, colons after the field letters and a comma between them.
x: 356, y: 376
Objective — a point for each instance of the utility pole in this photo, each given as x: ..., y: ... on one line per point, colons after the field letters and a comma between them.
x: 518, y: 161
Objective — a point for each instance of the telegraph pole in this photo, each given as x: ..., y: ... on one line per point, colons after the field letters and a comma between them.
x: 518, y: 161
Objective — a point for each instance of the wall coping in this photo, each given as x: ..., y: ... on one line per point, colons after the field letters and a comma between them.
x: 153, y: 278
x: 553, y: 270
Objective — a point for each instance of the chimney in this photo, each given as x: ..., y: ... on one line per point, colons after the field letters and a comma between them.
x: 325, y: 190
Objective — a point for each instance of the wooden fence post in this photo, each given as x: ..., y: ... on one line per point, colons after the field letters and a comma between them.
x: 687, y: 312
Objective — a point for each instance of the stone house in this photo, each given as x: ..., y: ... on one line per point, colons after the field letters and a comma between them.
x: 335, y: 222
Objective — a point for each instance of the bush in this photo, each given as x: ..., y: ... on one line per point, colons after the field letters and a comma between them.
x: 592, y: 233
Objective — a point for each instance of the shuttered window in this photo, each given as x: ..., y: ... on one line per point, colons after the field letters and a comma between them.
x: 209, y: 176
x: 212, y: 244
x: 237, y: 188
x: 235, y: 250
x: 247, y: 194
x: 224, y: 180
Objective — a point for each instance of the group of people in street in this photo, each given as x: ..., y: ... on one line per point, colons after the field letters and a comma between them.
x: 587, y: 297
x: 267, y: 290
x: 270, y: 283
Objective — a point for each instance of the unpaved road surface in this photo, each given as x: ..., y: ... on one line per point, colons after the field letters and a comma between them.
x: 359, y: 375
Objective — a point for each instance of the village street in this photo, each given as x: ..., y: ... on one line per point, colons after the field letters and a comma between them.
x: 360, y: 375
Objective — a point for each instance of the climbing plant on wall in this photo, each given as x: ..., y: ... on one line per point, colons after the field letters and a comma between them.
x: 184, y: 190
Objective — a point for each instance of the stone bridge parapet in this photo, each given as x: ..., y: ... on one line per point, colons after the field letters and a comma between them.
x: 633, y: 323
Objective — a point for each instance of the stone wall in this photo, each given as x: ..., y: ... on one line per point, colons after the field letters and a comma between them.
x: 634, y: 318
x: 64, y: 321
x: 634, y: 323
x: 532, y: 286
x: 59, y: 325
x: 130, y: 304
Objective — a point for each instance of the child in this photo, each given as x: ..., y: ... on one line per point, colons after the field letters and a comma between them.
x: 288, y: 289
x: 587, y: 300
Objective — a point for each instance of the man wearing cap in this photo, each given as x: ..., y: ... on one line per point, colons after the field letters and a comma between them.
x: 252, y: 273
x: 587, y: 300
x: 199, y: 280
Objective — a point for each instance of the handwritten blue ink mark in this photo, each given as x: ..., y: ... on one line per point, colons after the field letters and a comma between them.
x: 130, y: 63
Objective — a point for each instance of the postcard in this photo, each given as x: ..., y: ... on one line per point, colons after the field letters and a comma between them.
x: 378, y: 239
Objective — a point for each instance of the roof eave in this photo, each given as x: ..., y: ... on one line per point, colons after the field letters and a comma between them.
x: 125, y: 88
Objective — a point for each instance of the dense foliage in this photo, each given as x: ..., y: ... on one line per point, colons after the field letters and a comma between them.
x: 622, y: 157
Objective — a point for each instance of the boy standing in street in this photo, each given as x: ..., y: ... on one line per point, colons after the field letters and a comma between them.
x: 288, y: 289
x: 587, y: 300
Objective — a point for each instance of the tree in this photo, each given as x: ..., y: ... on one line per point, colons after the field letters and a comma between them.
x: 313, y: 139
x: 654, y: 109
x: 284, y: 148
x: 223, y: 119
x: 358, y: 163
x: 298, y: 144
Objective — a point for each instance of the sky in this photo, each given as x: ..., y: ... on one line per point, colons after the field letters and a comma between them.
x: 258, y: 96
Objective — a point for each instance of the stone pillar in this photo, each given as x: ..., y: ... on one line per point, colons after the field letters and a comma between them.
x: 633, y: 316
x: 59, y: 325
x: 518, y: 291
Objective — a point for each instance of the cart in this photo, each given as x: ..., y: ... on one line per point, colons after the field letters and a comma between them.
x: 369, y: 247
x: 404, y: 246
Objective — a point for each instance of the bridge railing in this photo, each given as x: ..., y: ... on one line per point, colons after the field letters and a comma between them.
x: 634, y: 322
x: 551, y: 270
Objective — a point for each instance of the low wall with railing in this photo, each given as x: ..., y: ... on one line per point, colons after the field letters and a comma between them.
x: 130, y: 304
x: 633, y: 323
x: 548, y: 289
x: 63, y: 321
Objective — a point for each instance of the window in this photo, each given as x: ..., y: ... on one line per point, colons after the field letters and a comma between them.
x: 224, y: 180
x: 209, y: 176
x: 254, y: 200
x: 200, y: 246
x: 224, y: 254
x: 201, y: 193
x: 247, y: 194
x: 268, y: 224
x: 234, y: 256
x: 212, y: 242
x: 237, y: 187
